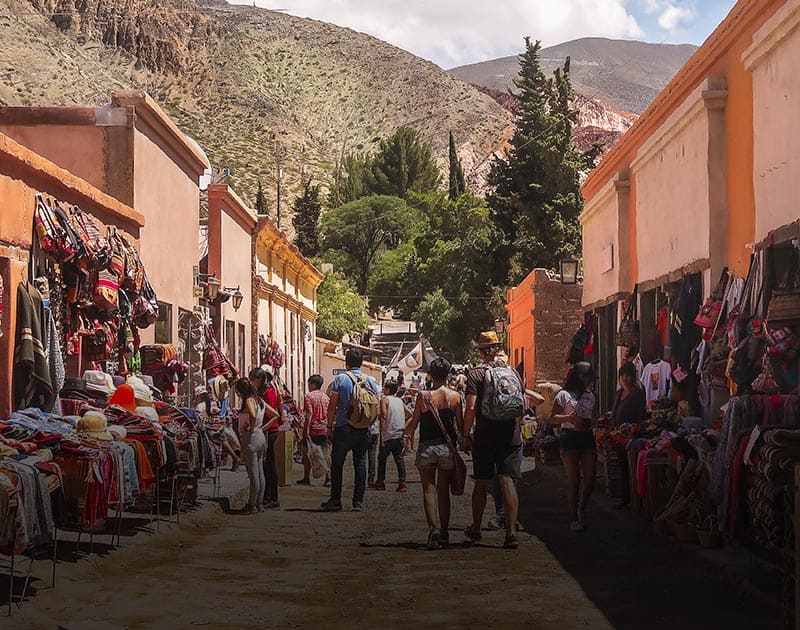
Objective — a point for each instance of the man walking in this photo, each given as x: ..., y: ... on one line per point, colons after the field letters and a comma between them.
x: 345, y: 437
x: 393, y: 418
x: 315, y: 427
x: 495, y: 445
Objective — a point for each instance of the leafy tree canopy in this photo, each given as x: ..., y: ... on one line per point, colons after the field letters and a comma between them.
x: 307, y: 210
x: 341, y: 309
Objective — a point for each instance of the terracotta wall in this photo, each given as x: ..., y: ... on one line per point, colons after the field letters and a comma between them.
x: 601, y: 240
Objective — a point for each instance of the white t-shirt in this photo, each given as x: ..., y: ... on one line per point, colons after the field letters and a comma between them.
x: 395, y: 419
x: 655, y: 379
x: 582, y: 408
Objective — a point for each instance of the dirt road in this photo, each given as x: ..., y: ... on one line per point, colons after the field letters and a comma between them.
x: 302, y: 568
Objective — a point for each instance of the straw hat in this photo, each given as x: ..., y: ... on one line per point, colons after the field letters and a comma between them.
x: 98, y: 381
x: 93, y: 425
x: 124, y: 397
x: 488, y: 339
x: 219, y: 385
x: 142, y: 393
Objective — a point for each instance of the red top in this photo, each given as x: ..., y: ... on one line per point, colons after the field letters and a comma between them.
x: 270, y: 395
x: 317, y: 403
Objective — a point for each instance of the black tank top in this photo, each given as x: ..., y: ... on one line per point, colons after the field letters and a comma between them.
x: 429, y: 430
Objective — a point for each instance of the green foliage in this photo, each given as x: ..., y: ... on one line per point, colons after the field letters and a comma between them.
x: 307, y: 209
x: 458, y: 184
x: 341, y: 309
x: 536, y: 196
x: 439, y: 320
x: 364, y: 228
x: 404, y: 164
x: 353, y: 181
x: 261, y: 201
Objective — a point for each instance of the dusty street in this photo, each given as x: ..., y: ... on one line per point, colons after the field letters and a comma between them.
x: 299, y: 567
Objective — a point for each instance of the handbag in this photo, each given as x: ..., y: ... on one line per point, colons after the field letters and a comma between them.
x: 628, y: 332
x: 458, y: 478
x: 710, y: 311
x: 784, y: 305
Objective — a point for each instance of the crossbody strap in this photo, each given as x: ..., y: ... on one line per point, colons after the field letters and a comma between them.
x: 426, y: 396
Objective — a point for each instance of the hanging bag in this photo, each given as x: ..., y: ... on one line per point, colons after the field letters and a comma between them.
x: 458, y: 476
x: 96, y: 246
x: 784, y: 305
x: 710, y: 311
x: 628, y: 331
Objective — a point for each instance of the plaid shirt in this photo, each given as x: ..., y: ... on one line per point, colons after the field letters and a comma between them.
x: 317, y: 403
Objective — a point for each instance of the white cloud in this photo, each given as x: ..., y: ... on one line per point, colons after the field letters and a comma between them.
x: 674, y: 18
x: 453, y: 32
x: 653, y: 6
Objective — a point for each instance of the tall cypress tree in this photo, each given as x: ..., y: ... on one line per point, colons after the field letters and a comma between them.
x: 261, y: 201
x: 404, y: 163
x: 458, y: 184
x: 535, y: 197
x: 307, y: 210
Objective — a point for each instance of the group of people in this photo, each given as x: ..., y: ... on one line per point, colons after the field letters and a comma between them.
x: 446, y: 420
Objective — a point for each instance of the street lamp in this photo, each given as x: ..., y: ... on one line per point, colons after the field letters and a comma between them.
x: 237, y: 299
x: 499, y: 326
x: 213, y: 288
x: 569, y: 271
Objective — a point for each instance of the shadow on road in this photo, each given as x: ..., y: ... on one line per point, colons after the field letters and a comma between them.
x: 635, y: 578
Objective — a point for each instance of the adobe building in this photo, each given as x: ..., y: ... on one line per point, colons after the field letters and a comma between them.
x: 703, y: 180
x: 285, y: 289
x: 231, y: 228
x: 133, y: 151
x: 23, y: 175
x: 543, y: 315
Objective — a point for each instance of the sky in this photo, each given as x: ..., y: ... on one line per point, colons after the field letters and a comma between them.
x: 457, y: 32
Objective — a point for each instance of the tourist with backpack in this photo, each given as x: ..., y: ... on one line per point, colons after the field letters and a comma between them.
x: 352, y: 411
x: 495, y: 403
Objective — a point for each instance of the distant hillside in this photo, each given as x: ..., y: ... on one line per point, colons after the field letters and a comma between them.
x: 239, y: 79
x: 625, y: 75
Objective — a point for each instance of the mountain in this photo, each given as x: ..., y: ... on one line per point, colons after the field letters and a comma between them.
x: 625, y: 75
x: 244, y: 81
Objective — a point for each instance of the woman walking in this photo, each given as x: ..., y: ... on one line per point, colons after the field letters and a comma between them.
x: 574, y: 411
x: 263, y: 382
x: 251, y: 419
x: 435, y: 410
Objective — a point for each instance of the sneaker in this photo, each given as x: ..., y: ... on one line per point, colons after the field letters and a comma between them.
x: 510, y: 542
x: 401, y: 487
x: 272, y: 505
x: 303, y: 482
x: 472, y: 536
x: 358, y: 506
x: 332, y: 505
x: 433, y: 540
x: 576, y: 526
x: 377, y: 485
x: 496, y: 522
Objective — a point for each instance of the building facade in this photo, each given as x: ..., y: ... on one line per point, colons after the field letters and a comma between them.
x: 704, y: 178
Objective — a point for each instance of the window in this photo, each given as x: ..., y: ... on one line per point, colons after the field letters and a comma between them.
x: 163, y: 325
x: 230, y: 339
x: 242, y: 348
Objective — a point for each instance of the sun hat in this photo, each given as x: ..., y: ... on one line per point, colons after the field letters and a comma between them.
x: 118, y: 432
x: 488, y: 339
x: 147, y: 411
x: 268, y: 369
x: 93, y: 425
x: 124, y: 397
x: 219, y: 385
x: 98, y: 381
x: 142, y: 393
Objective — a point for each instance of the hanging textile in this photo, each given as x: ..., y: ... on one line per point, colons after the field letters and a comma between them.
x: 32, y: 385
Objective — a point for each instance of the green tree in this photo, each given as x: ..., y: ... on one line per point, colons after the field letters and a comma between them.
x: 364, y: 228
x: 261, y: 201
x: 535, y: 197
x: 352, y: 181
x: 439, y: 321
x: 457, y: 182
x: 404, y: 164
x: 307, y: 210
x: 341, y: 309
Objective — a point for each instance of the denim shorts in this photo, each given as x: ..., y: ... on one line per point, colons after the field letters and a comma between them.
x: 434, y: 455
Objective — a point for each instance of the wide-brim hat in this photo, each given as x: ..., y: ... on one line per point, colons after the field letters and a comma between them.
x: 118, y: 432
x: 147, y: 411
x: 124, y: 397
x: 98, y: 381
x: 93, y: 425
x: 219, y: 385
x: 142, y: 393
x: 488, y: 339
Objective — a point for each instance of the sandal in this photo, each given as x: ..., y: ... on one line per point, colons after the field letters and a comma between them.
x: 433, y: 539
x: 510, y: 542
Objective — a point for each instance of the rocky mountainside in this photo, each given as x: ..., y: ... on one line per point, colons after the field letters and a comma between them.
x: 625, y: 75
x: 245, y: 82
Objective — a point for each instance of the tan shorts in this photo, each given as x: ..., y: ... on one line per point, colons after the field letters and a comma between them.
x: 434, y: 456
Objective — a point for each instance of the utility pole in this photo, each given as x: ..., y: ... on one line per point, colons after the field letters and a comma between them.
x: 280, y: 153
